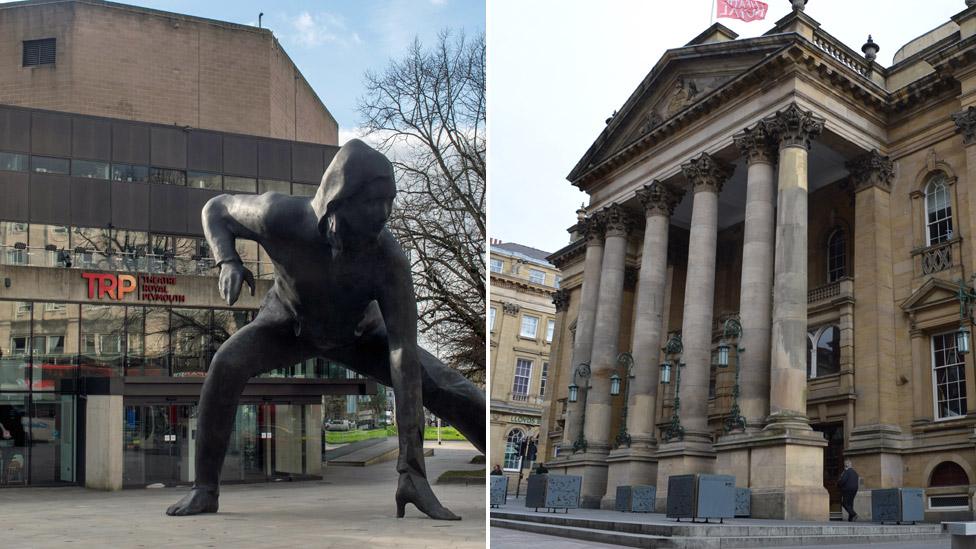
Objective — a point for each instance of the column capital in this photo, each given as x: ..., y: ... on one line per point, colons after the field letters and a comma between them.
x: 510, y: 308
x: 616, y: 220
x: 793, y: 127
x: 706, y: 173
x: 592, y: 229
x: 756, y: 144
x: 659, y: 199
x: 871, y: 170
x: 966, y: 124
x: 560, y: 298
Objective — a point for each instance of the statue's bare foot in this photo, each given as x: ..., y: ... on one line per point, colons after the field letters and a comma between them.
x: 416, y: 490
x: 199, y: 500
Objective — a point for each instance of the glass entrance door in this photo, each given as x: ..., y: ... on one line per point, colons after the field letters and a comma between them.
x: 159, y: 443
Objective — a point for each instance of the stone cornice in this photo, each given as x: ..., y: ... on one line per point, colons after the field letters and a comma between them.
x: 871, y: 169
x: 756, y: 145
x: 793, y: 127
x: 966, y: 124
x: 659, y: 199
x: 706, y: 173
x: 567, y: 254
x: 520, y: 284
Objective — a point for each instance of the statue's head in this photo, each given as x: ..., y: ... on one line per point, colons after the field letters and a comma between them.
x: 356, y: 193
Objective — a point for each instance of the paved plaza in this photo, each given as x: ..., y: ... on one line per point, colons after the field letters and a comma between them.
x: 350, y: 507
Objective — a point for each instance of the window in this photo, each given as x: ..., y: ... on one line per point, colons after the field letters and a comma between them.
x: 271, y: 185
x: 496, y: 265
x: 530, y: 324
x: 47, y: 164
x: 543, y: 378
x: 242, y: 184
x: 836, y: 255
x: 949, y: 503
x: 201, y: 180
x: 948, y: 377
x: 948, y: 473
x: 557, y: 280
x: 513, y: 443
x: 491, y: 319
x: 39, y: 52
x: 523, y: 373
x: 89, y: 169
x: 167, y: 177
x: 537, y: 276
x: 300, y: 189
x: 128, y: 172
x: 823, y: 351
x: 550, y: 328
x: 938, y: 210
x: 13, y: 162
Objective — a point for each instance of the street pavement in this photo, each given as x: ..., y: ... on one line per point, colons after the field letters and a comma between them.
x: 350, y: 507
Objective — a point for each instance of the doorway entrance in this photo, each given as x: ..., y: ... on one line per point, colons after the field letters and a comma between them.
x: 833, y: 460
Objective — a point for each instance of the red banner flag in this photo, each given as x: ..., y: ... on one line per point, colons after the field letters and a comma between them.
x: 746, y: 10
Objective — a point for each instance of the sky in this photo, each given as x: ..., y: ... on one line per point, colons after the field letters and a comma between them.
x: 334, y: 42
x: 558, y: 68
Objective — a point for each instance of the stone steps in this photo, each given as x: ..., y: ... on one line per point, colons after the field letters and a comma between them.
x: 657, y: 531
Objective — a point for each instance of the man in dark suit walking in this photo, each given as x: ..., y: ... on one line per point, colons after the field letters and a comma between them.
x: 848, y: 484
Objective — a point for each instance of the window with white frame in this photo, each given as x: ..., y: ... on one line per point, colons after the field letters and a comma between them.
x: 491, y: 319
x: 836, y: 255
x: 938, y: 210
x: 948, y: 377
x: 530, y: 326
x: 523, y: 373
x: 513, y: 460
x: 543, y: 378
x: 496, y: 265
x: 536, y: 276
x: 823, y: 351
x: 550, y: 328
x: 557, y: 280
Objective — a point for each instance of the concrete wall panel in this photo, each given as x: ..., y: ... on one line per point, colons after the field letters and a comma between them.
x: 49, y: 199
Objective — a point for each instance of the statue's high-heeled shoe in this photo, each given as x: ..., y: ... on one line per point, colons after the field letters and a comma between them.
x: 422, y: 497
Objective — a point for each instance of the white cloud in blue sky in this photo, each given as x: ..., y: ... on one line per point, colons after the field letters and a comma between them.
x: 320, y: 29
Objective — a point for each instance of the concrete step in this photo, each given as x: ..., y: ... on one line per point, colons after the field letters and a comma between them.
x: 385, y: 450
x: 655, y: 530
x: 347, y: 449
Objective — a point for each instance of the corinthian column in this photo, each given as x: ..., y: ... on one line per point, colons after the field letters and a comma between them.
x: 592, y: 229
x: 706, y: 175
x: 607, y: 330
x: 755, y: 296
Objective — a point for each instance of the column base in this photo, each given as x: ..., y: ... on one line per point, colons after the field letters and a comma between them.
x: 592, y: 466
x: 784, y: 469
x: 680, y: 458
x: 628, y: 466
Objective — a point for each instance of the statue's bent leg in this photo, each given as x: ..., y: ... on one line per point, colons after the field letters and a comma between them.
x: 267, y: 343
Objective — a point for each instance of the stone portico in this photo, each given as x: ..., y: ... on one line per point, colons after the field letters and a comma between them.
x: 796, y: 187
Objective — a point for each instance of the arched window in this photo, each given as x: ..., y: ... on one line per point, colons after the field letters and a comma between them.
x: 948, y: 473
x: 836, y: 255
x: 512, y: 458
x: 938, y: 211
x: 823, y: 351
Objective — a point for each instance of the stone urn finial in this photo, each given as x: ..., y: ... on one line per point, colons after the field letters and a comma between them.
x: 798, y: 5
x: 581, y: 213
x: 871, y: 49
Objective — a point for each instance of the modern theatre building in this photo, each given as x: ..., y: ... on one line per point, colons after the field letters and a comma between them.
x: 781, y: 234
x: 117, y: 124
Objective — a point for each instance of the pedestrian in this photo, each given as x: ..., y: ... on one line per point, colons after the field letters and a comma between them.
x: 848, y: 484
x: 497, y: 470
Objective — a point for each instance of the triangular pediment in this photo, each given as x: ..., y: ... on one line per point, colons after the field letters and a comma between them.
x: 682, y: 78
x: 933, y: 293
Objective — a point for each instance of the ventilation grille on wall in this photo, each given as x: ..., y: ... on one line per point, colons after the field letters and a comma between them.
x: 39, y: 52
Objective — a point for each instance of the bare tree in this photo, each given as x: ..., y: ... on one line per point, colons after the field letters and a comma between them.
x: 426, y: 111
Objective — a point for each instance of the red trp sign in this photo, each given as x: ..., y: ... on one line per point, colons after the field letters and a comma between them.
x: 117, y: 286
x: 745, y: 10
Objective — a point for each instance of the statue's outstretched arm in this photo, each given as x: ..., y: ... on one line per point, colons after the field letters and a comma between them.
x: 225, y: 218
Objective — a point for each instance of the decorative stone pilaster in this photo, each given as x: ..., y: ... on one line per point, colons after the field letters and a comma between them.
x: 756, y: 145
x: 634, y: 461
x: 706, y: 173
x: 597, y: 428
x: 871, y: 170
x: 966, y: 125
x: 592, y: 229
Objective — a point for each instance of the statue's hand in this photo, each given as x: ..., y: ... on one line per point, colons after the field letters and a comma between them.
x: 232, y: 275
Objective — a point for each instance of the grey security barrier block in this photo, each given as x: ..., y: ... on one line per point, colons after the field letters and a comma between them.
x: 897, y: 505
x: 499, y: 490
x: 743, y: 502
x: 553, y: 491
x: 636, y: 499
x: 701, y: 496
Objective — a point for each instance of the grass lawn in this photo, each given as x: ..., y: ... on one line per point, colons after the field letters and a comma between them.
x: 447, y: 433
x: 345, y: 437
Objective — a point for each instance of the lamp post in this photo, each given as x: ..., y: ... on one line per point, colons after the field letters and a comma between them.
x: 583, y: 371
x: 732, y: 331
x: 625, y: 361
x: 673, y: 350
x: 967, y: 298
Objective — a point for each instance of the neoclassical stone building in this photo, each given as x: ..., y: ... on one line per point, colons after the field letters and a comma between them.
x: 777, y: 232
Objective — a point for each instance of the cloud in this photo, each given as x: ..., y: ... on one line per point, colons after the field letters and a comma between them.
x: 312, y: 30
